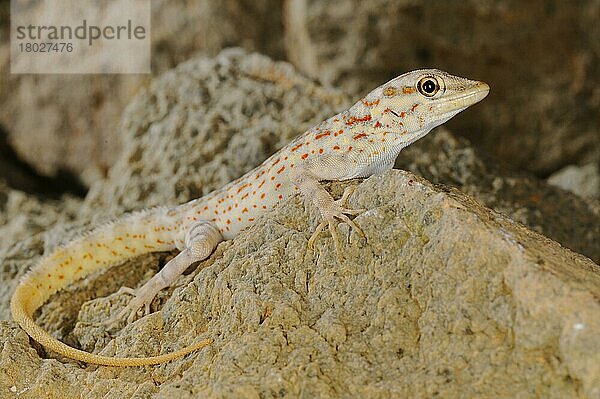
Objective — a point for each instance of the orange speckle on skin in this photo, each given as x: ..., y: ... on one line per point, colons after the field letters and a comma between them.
x: 205, y: 208
x: 408, y: 90
x: 320, y: 150
x: 336, y: 147
x: 255, y: 206
x: 262, y: 196
x: 244, y: 210
x: 61, y: 277
x: 251, y: 219
x: 338, y: 132
x: 360, y: 136
x: 350, y: 148
x: 304, y: 156
x: 228, y: 221
x: 353, y: 119
x: 370, y: 103
x: 264, y: 207
x: 377, y: 124
x: 280, y: 196
x: 294, y: 148
x: 245, y: 196
x: 277, y: 186
x: 281, y: 169
x: 390, y: 91
x: 272, y: 178
x: 324, y: 134
x: 414, y: 107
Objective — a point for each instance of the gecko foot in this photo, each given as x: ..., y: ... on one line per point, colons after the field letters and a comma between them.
x: 331, y: 214
x: 142, y: 298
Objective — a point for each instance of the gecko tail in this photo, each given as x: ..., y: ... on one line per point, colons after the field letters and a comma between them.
x: 142, y: 232
x: 44, y: 338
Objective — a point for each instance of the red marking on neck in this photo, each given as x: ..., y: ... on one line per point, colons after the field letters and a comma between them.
x: 359, y: 136
x: 370, y: 103
x: 352, y: 120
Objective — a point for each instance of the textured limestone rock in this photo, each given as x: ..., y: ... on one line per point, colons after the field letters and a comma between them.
x: 565, y: 217
x: 540, y: 57
x: 445, y: 297
x: 76, y: 116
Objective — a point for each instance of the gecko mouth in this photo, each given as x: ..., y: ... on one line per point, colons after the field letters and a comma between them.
x: 478, y: 92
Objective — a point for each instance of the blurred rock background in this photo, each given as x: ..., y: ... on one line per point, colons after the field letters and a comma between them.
x: 540, y: 57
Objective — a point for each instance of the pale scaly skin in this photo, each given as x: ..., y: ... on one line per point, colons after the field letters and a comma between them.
x: 359, y: 142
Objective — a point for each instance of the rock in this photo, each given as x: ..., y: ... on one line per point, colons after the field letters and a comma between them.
x: 76, y: 116
x: 564, y: 217
x: 543, y: 109
x: 581, y: 180
x: 445, y: 297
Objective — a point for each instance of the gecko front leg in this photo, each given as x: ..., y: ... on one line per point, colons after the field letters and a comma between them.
x: 200, y: 241
x: 331, y: 210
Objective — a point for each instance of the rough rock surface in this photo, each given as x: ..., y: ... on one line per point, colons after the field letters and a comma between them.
x: 541, y: 58
x: 563, y: 216
x: 76, y: 116
x: 444, y: 298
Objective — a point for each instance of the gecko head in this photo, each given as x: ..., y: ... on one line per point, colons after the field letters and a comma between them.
x: 414, y: 103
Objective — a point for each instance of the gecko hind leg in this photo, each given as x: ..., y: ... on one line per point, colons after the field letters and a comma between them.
x: 200, y: 241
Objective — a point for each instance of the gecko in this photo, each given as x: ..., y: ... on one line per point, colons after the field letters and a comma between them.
x: 359, y: 142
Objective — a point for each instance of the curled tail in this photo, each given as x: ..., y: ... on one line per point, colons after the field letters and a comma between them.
x: 142, y: 232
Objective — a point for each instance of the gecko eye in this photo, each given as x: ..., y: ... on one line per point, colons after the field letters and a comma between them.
x: 428, y: 86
